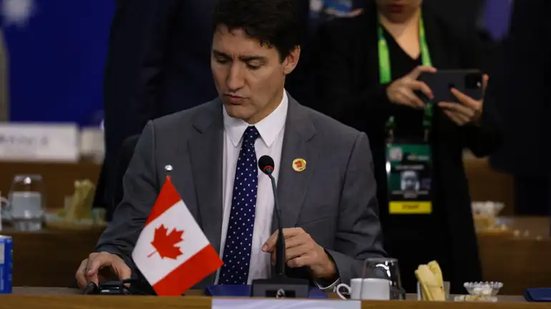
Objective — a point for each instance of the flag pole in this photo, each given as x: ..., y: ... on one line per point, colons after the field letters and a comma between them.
x: 168, y: 170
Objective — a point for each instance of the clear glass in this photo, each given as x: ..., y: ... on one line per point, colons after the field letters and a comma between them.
x: 421, y: 296
x: 385, y: 268
x: 26, y: 202
x: 3, y: 206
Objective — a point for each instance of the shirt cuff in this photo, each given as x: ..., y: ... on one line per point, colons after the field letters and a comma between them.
x: 328, y: 288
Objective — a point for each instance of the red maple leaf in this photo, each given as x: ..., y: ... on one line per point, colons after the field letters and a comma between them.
x: 165, y: 242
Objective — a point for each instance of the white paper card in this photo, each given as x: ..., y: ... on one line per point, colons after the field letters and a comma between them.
x: 38, y: 142
x: 266, y: 303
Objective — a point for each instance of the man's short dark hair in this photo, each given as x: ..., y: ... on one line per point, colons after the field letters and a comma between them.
x: 273, y: 22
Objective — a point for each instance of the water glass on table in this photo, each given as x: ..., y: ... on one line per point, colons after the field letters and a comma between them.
x: 385, y: 268
x: 26, y: 202
x: 421, y: 294
x: 3, y: 205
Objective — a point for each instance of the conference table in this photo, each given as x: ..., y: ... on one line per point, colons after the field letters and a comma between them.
x: 50, y: 257
x: 47, y: 297
x: 519, y: 257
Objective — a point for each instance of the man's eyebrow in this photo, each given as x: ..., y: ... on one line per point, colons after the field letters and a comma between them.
x: 242, y: 58
x: 219, y: 53
x: 252, y: 58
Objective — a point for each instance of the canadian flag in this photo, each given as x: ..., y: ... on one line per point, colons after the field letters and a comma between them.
x: 172, y: 252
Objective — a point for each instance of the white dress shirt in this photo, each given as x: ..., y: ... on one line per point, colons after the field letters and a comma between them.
x: 270, y: 142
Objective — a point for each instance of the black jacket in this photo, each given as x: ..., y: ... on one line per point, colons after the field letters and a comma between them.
x: 158, y: 63
x: 525, y: 102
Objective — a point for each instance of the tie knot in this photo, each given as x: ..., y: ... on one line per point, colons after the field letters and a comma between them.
x: 250, y: 135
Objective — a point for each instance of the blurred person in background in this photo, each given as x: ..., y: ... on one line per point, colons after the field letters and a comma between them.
x: 302, y: 83
x: 525, y: 107
x: 3, y: 79
x: 368, y: 75
x: 157, y: 64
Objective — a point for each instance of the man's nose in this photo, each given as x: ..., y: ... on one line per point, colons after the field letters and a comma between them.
x: 235, y: 79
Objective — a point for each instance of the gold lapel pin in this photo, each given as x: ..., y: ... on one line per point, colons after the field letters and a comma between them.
x: 299, y: 164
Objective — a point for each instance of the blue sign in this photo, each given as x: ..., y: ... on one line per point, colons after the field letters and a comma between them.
x: 57, y: 51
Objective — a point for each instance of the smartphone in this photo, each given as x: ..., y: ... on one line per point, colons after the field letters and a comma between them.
x: 112, y: 288
x: 467, y: 81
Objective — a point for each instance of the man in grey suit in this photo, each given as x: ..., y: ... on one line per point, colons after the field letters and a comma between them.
x: 326, y: 188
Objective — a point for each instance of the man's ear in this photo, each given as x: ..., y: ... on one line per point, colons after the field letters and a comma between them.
x: 290, y: 62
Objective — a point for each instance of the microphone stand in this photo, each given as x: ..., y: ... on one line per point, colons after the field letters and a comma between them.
x: 280, y: 244
x: 279, y: 286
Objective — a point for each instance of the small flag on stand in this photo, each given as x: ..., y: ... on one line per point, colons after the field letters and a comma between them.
x: 172, y: 252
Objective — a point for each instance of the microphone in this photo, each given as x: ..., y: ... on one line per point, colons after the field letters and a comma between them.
x: 279, y: 285
x: 266, y: 165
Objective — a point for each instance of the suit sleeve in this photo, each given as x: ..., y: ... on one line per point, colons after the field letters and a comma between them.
x: 140, y: 191
x: 485, y: 138
x: 359, y: 234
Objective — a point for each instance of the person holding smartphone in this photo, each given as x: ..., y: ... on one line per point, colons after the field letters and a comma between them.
x: 368, y: 79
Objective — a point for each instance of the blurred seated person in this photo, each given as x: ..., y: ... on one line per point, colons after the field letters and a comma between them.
x: 157, y: 64
x: 329, y: 209
x: 3, y: 79
x: 368, y: 79
x: 526, y: 149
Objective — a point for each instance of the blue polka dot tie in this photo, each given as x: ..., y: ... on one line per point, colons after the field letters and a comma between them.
x: 237, y: 250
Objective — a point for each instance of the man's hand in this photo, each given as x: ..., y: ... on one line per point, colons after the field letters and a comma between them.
x: 90, y: 268
x: 301, y: 250
x: 402, y: 90
x: 467, y: 110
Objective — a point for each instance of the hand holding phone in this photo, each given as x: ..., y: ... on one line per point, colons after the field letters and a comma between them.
x: 468, y: 82
x: 459, y: 93
x: 407, y: 90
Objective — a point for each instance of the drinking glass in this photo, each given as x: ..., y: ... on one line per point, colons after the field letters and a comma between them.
x: 421, y: 296
x: 26, y: 202
x: 385, y: 268
x: 3, y: 206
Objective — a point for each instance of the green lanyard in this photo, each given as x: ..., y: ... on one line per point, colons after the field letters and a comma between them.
x: 385, y: 73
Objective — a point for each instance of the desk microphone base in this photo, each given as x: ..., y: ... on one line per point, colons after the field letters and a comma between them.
x: 280, y: 287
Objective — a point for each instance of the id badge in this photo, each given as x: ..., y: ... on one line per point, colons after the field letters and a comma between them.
x: 408, y: 170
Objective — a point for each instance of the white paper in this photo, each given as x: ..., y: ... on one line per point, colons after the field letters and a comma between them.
x: 264, y: 303
x: 38, y: 142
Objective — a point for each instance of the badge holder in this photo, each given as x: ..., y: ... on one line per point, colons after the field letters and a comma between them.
x: 409, y: 175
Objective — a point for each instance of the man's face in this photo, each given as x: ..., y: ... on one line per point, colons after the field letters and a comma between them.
x: 248, y: 76
x: 409, y: 181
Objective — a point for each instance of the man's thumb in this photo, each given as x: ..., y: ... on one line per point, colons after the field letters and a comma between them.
x: 123, y: 271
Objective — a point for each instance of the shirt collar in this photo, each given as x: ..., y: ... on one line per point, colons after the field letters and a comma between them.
x: 269, y: 127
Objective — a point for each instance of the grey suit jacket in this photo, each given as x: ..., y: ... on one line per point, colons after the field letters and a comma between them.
x: 333, y: 199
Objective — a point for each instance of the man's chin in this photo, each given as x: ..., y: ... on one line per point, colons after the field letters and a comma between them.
x: 236, y: 111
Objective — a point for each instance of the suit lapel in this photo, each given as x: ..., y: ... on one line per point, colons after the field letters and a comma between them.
x: 206, y: 149
x: 297, y: 143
